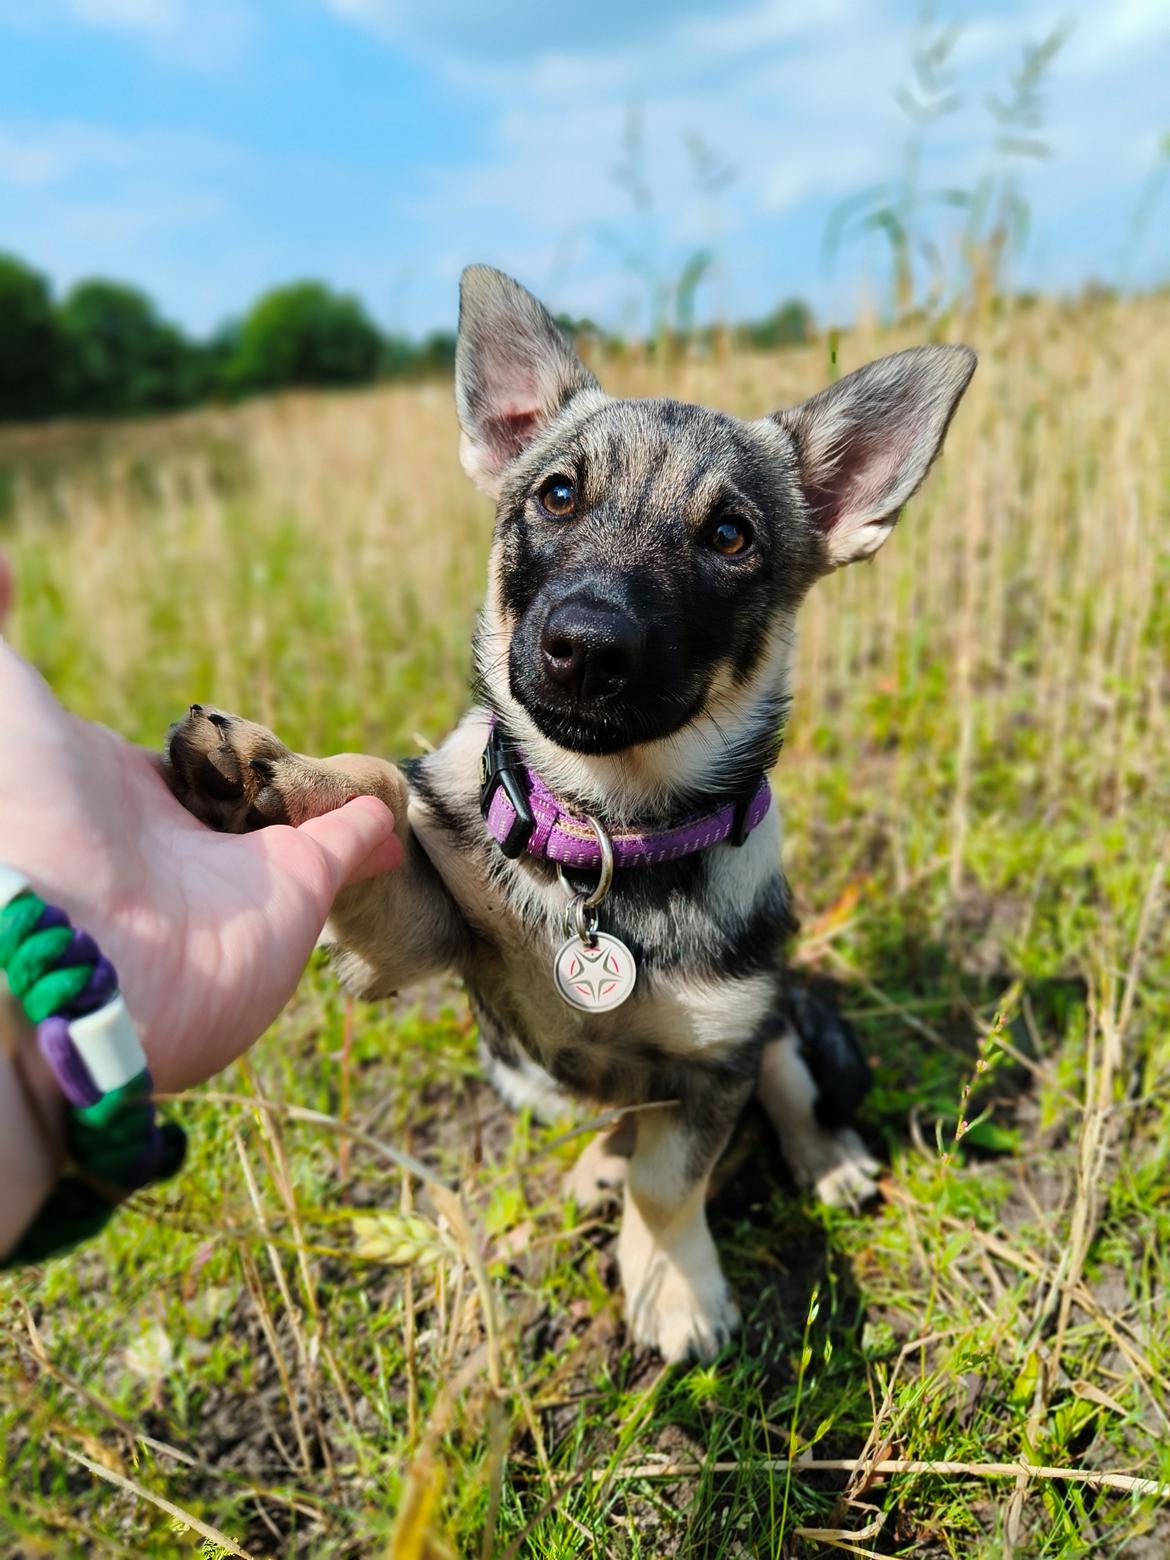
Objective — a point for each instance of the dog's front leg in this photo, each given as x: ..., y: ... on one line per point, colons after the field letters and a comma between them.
x: 677, y: 1299
x: 237, y: 776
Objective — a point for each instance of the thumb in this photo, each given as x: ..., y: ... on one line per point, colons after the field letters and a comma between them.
x: 358, y: 840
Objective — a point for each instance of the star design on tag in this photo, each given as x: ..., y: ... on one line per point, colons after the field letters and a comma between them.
x: 595, y: 972
x: 595, y: 978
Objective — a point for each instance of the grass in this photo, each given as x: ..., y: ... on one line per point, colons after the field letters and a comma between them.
x: 305, y: 1349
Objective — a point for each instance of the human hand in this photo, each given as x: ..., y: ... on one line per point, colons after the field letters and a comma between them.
x: 208, y: 932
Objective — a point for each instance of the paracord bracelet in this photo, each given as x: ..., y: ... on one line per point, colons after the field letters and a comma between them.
x: 69, y: 990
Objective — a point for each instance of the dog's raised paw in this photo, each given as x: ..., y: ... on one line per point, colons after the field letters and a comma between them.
x: 231, y: 773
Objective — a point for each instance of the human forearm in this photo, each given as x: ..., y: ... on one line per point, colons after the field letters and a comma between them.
x: 207, y: 934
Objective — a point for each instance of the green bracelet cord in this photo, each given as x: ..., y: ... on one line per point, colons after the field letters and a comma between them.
x: 30, y: 959
x: 69, y: 990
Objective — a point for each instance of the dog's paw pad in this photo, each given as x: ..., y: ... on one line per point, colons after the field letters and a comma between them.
x: 224, y: 770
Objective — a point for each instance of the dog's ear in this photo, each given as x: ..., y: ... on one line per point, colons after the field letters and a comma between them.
x: 866, y: 443
x: 514, y: 371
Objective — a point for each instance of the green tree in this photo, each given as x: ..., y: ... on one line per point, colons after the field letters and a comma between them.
x: 304, y: 334
x: 118, y: 355
x: 788, y: 325
x: 28, y: 341
x: 436, y: 354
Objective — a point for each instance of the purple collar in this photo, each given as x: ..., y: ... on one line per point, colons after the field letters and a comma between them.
x: 522, y: 814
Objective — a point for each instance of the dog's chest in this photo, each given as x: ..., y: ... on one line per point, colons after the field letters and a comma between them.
x: 706, y: 935
x: 672, y: 1018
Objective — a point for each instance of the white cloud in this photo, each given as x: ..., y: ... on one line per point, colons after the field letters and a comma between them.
x: 518, y: 29
x: 798, y: 100
x: 35, y: 154
x: 1121, y: 27
x: 80, y: 200
x: 157, y: 17
x: 202, y: 35
x: 116, y: 223
x: 45, y: 155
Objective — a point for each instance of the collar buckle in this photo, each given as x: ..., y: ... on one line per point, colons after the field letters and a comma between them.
x: 501, y: 765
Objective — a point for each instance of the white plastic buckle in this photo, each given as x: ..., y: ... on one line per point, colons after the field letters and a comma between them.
x: 109, y: 1045
x: 12, y: 884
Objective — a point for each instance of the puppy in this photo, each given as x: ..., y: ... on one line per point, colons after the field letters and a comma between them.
x: 595, y: 848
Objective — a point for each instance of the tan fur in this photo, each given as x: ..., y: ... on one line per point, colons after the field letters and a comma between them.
x: 671, y: 688
x: 392, y: 929
x: 677, y: 1299
x: 602, y: 1166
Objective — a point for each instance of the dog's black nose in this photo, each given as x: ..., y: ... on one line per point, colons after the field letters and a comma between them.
x: 590, y: 649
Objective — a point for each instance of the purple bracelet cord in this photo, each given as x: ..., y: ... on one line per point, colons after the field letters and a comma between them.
x: 68, y: 1066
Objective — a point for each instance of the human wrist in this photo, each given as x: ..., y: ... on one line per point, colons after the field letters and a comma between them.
x: 85, y: 1045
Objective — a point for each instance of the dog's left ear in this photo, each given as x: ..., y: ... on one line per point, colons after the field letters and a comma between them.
x: 866, y: 443
x: 514, y: 371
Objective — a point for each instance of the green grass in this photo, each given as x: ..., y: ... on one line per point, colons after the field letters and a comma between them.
x: 976, y: 787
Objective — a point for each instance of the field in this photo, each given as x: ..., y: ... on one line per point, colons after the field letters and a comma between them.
x: 302, y: 1349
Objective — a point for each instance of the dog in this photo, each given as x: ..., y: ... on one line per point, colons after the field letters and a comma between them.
x: 595, y: 848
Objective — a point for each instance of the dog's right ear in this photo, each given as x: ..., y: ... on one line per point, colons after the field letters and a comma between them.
x: 514, y: 371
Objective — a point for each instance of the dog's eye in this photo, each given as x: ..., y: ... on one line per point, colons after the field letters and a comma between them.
x: 729, y: 537
x: 558, y: 496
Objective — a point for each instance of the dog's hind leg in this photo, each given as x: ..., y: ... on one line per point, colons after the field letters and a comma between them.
x: 809, y: 1096
x: 602, y: 1166
x: 600, y: 1171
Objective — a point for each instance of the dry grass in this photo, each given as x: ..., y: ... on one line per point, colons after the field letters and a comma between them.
x: 977, y: 785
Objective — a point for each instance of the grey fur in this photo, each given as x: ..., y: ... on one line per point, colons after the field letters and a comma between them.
x: 512, y: 366
x: 708, y: 931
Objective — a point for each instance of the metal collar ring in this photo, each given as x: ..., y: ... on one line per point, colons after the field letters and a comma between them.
x: 605, y: 879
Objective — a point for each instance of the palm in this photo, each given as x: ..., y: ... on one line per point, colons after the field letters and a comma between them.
x: 208, y: 932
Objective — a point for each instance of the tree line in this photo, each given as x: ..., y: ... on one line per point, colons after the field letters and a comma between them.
x: 103, y: 348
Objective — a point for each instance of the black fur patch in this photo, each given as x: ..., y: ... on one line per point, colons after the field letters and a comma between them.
x: 829, y: 1049
x: 653, y: 477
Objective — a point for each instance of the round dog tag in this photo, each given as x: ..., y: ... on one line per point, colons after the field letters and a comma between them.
x: 597, y: 977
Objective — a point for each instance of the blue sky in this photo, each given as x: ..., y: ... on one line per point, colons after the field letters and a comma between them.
x: 207, y: 149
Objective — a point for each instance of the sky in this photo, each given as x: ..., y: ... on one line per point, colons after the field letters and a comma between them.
x: 208, y: 149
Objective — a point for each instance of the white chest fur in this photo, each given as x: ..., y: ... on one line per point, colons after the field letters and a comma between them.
x: 680, y: 1007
